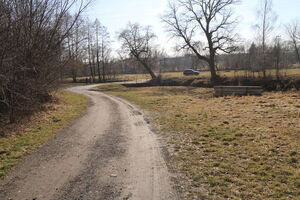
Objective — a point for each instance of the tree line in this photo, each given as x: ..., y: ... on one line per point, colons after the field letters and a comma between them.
x: 34, y: 38
x: 43, y: 41
x: 89, y: 51
x: 207, y: 30
x: 204, y: 30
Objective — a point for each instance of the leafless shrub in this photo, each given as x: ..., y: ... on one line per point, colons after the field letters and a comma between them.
x: 33, y: 34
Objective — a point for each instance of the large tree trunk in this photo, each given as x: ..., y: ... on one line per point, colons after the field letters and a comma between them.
x: 99, y: 72
x: 90, y: 64
x: 296, y: 50
x: 74, y: 79
x: 145, y: 64
x: 212, y: 66
x: 98, y: 67
x: 103, y: 62
x: 153, y: 76
x: 264, y: 62
x: 298, y: 55
x: 91, y: 69
x: 103, y: 71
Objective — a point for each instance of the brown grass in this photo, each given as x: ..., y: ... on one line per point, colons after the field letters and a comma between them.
x: 31, y: 133
x: 229, y: 74
x: 230, y: 147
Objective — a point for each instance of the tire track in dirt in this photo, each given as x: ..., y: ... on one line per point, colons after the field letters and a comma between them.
x: 108, y: 153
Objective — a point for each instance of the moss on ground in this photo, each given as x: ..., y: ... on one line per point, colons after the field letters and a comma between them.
x: 42, y: 127
x: 229, y: 147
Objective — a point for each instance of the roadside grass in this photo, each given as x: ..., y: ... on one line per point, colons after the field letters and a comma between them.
x: 42, y: 126
x: 229, y: 147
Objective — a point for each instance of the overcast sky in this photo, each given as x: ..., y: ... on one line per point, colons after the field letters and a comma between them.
x: 115, y: 15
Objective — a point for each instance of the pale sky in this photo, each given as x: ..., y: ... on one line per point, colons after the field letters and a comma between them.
x: 115, y: 15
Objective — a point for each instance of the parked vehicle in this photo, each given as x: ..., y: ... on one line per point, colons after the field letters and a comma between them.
x: 189, y: 72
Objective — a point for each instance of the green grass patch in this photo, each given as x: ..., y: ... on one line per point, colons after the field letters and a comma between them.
x: 229, y: 147
x: 43, y: 126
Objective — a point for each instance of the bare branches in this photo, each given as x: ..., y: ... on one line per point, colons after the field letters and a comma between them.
x: 211, y: 21
x: 267, y: 18
x: 137, y: 41
x: 102, y: 47
x: 32, y: 37
x: 293, y: 31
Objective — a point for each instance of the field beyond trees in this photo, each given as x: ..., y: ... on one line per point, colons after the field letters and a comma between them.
x: 288, y: 73
x: 291, y: 73
x: 229, y: 147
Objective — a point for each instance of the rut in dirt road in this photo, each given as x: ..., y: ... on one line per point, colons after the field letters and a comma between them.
x: 108, y: 153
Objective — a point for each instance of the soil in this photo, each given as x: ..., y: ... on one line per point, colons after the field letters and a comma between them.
x: 108, y: 153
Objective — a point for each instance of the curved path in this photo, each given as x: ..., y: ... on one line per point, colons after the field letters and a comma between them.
x: 108, y: 153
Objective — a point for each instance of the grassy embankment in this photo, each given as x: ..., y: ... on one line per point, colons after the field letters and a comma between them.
x: 40, y: 128
x: 229, y: 147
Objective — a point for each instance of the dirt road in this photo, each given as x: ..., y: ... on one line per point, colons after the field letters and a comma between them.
x: 108, y: 153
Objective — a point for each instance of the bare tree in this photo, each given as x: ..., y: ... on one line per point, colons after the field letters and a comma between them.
x: 293, y: 31
x: 277, y: 53
x: 75, y: 47
x: 97, y: 27
x: 195, y: 20
x: 33, y: 36
x: 90, y: 51
x: 105, y: 50
x: 137, y: 42
x: 98, y: 49
x: 267, y: 19
x: 252, y: 58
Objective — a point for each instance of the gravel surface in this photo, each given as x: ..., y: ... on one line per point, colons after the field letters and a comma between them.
x: 108, y: 153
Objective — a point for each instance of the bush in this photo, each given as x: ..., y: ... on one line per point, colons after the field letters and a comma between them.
x: 32, y: 36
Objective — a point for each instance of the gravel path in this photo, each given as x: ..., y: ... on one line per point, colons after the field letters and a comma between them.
x: 108, y: 153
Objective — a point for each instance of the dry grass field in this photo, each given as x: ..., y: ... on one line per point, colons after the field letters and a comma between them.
x: 230, y: 147
x: 32, y: 132
x: 229, y: 74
